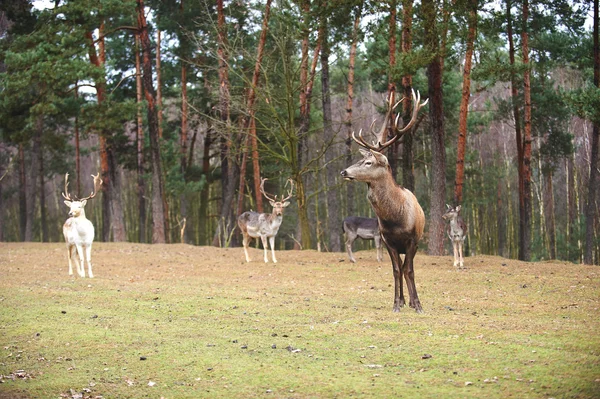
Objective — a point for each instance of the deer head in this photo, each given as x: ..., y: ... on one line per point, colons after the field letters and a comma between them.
x: 76, y: 204
x: 451, y: 212
x: 277, y: 205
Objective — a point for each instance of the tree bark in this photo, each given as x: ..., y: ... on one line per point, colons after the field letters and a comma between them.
x: 436, y: 115
x: 333, y: 216
x: 408, y: 176
x: 590, y: 209
x: 139, y: 138
x: 549, y: 214
x: 518, y: 133
x: 22, y: 194
x: 464, y: 106
x: 43, y: 211
x: 32, y: 187
x: 159, y: 102
x: 392, y: 154
x: 159, y: 213
x: 527, y: 204
x: 350, y: 205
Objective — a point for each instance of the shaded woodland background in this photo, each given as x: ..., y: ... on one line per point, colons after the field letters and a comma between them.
x: 182, y: 106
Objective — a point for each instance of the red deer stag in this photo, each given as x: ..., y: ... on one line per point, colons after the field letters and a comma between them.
x: 78, y: 230
x: 400, y: 217
x: 263, y: 225
x: 457, y: 231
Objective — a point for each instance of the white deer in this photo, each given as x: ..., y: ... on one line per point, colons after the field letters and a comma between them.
x: 78, y: 230
x: 264, y: 225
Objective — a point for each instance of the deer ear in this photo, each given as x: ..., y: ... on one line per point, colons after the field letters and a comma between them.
x: 272, y: 203
x: 68, y: 203
x: 285, y: 204
x: 365, y: 153
x: 381, y: 159
x: 458, y: 208
x: 83, y: 203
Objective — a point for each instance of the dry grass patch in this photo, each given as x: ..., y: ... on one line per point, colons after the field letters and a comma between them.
x: 179, y: 321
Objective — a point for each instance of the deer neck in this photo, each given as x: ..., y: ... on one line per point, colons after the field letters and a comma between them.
x: 274, y: 219
x: 385, y: 196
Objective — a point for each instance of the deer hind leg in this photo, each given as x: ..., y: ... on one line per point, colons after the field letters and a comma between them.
x: 272, y: 242
x: 455, y: 249
x: 80, y: 266
x: 460, y: 254
x: 88, y: 255
x: 246, y: 241
x: 349, y: 241
x: 265, y: 246
x: 409, y: 276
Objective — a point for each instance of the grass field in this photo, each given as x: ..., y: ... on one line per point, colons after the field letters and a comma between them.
x: 177, y: 321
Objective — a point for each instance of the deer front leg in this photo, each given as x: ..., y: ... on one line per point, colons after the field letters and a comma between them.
x: 69, y: 254
x: 272, y: 241
x: 409, y: 276
x: 460, y: 254
x: 88, y: 255
x: 379, y: 248
x: 81, y: 265
x: 264, y: 242
x: 398, y: 289
x: 455, y: 249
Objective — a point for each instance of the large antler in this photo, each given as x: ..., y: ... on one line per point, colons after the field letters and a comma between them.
x: 380, y: 143
x: 274, y: 198
x: 97, y: 184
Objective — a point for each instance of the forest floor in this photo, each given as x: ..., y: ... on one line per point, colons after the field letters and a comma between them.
x: 178, y: 321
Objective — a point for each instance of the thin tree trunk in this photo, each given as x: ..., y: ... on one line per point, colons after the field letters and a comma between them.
x: 549, y: 214
x: 333, y: 214
x: 203, y: 211
x: 141, y: 185
x: 159, y: 102
x: 43, y: 211
x: 32, y: 187
x: 183, y: 140
x: 350, y: 206
x: 228, y: 168
x: 572, y: 247
x: 501, y: 218
x: 22, y: 194
x: 436, y: 115
x: 527, y: 203
x: 77, y: 153
x: 408, y: 176
x: 464, y: 106
x: 590, y: 209
x: 392, y: 154
x: 518, y: 133
x: 159, y: 215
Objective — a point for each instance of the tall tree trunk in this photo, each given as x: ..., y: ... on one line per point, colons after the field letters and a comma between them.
x: 203, y: 211
x: 464, y: 106
x: 183, y: 140
x: 436, y: 115
x: 228, y: 167
x: 77, y: 152
x: 572, y: 252
x: 139, y: 138
x: 159, y: 102
x: 43, y: 211
x: 527, y: 202
x: 249, y: 122
x: 408, y: 176
x: 350, y: 206
x: 590, y: 209
x: 501, y: 218
x: 22, y: 193
x: 159, y: 215
x: 333, y: 214
x: 32, y: 187
x: 392, y: 154
x: 549, y: 214
x: 518, y: 133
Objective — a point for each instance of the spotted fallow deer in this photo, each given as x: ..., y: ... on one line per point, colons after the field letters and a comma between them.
x: 78, y: 230
x: 264, y: 225
x: 400, y: 217
x: 457, y: 231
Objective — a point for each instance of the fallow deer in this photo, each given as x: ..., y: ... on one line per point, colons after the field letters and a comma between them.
x: 365, y: 228
x: 78, y: 230
x: 457, y: 231
x: 264, y: 225
x: 400, y: 217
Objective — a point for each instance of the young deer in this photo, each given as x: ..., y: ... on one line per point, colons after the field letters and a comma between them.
x: 78, y: 230
x: 365, y: 228
x: 457, y: 231
x: 400, y: 217
x: 263, y: 225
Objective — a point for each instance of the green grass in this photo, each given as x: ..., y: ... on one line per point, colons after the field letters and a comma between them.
x: 211, y: 326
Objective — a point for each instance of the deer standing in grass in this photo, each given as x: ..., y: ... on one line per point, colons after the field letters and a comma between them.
x: 457, y: 231
x: 264, y: 225
x: 400, y: 217
x: 365, y: 228
x: 78, y: 230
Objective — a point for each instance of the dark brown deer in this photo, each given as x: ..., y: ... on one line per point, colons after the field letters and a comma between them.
x: 78, y: 230
x: 457, y: 231
x: 264, y: 225
x: 400, y: 217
